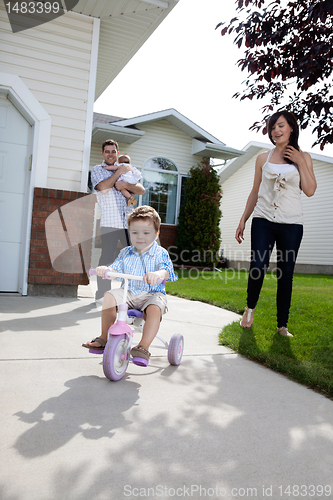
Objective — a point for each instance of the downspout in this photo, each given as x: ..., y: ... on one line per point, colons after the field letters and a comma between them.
x: 90, y: 105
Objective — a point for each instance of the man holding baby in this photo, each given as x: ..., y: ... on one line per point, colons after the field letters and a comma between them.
x: 115, y: 186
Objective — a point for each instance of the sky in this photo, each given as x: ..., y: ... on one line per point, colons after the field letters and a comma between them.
x: 187, y: 65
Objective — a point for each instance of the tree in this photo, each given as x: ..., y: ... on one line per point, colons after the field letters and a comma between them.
x: 289, y: 56
x: 199, y: 233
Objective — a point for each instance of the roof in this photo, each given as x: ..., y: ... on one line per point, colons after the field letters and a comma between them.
x: 250, y: 150
x: 101, y: 118
x: 124, y: 130
x: 175, y: 118
x: 124, y: 27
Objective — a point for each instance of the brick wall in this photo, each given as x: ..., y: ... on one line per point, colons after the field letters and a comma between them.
x: 168, y: 236
x: 61, y: 241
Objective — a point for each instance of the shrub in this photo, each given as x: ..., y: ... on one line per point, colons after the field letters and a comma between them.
x: 199, y: 234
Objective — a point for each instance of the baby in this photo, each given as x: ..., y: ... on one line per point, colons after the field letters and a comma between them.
x: 131, y: 177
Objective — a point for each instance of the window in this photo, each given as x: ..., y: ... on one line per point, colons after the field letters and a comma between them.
x: 160, y: 179
x: 182, y: 190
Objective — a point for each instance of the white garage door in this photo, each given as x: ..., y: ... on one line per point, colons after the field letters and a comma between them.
x: 15, y: 134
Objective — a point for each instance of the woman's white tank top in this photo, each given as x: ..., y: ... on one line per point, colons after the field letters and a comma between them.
x: 279, y: 197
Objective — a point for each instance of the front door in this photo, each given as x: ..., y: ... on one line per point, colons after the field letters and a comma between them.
x: 15, y: 133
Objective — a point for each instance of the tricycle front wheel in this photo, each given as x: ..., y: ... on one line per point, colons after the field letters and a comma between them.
x: 175, y: 349
x: 116, y: 357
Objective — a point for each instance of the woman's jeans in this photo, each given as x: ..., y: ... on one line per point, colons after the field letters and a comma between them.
x: 288, y: 238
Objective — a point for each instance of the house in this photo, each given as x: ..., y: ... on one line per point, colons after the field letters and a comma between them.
x: 315, y: 254
x: 164, y: 146
x: 50, y: 77
x: 51, y: 74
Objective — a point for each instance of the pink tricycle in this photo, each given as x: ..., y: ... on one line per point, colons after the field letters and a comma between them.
x: 116, y: 355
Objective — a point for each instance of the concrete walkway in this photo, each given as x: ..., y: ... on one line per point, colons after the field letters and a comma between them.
x: 217, y: 426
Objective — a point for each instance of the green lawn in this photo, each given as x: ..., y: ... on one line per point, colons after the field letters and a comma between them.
x: 306, y: 358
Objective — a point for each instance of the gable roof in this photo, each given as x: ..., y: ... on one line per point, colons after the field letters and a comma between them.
x: 175, y: 118
x: 124, y: 27
x: 124, y: 130
x: 252, y: 149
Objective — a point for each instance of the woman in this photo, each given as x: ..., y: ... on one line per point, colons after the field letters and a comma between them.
x: 275, y: 200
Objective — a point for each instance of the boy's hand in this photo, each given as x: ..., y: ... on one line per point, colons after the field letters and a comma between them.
x: 151, y: 278
x: 100, y: 271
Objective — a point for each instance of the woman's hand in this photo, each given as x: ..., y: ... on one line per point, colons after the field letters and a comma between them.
x: 305, y: 167
x: 293, y: 155
x: 240, y: 232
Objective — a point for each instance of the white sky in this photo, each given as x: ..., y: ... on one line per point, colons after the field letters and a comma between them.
x: 187, y: 65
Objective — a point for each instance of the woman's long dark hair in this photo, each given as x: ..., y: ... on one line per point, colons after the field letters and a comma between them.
x: 291, y: 119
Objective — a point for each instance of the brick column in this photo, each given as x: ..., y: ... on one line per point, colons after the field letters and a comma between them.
x: 168, y: 235
x: 58, y: 262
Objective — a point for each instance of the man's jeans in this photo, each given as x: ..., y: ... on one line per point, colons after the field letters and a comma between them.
x: 109, y: 238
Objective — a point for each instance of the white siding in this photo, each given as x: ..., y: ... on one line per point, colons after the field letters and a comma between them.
x: 235, y: 191
x: 161, y: 139
x: 317, y: 243
x: 96, y: 154
x: 53, y: 60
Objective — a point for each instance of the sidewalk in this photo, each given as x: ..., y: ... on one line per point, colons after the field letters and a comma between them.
x: 217, y: 426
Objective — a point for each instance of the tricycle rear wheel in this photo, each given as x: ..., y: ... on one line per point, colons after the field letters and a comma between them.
x: 175, y: 349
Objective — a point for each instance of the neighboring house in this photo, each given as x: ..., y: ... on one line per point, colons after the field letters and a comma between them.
x: 315, y: 254
x: 163, y: 146
x: 50, y: 77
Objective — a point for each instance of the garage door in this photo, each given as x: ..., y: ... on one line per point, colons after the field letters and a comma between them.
x: 15, y: 133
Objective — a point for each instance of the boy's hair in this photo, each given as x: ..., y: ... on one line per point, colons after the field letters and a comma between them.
x: 145, y: 213
x: 110, y: 142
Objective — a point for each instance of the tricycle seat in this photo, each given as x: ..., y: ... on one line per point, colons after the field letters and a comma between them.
x: 135, y: 312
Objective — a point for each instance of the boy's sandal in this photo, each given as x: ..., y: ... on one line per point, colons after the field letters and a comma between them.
x: 140, y: 355
x: 99, y: 348
x: 283, y: 330
x: 247, y: 318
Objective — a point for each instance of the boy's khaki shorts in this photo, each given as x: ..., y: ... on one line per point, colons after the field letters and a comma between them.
x: 141, y: 300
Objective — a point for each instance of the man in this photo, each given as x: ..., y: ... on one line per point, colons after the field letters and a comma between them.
x: 113, y: 208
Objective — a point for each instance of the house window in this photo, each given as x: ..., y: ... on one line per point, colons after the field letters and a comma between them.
x: 160, y: 179
x: 182, y: 190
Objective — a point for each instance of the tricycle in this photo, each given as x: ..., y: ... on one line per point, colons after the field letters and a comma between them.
x: 116, y: 355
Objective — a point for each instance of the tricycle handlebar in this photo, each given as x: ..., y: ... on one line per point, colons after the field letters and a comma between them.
x: 110, y: 275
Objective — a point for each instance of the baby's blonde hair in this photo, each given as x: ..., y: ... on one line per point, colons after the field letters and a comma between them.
x: 124, y: 156
x: 145, y: 213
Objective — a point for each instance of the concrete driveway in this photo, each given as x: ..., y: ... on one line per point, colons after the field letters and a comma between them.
x: 217, y: 426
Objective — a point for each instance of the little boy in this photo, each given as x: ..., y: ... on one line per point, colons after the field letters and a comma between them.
x: 131, y: 177
x: 143, y: 258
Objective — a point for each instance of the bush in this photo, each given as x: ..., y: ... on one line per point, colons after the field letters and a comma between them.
x: 199, y: 234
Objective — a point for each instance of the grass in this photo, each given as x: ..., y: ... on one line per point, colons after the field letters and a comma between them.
x: 306, y: 358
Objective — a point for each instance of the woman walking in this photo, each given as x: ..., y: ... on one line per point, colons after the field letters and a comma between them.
x: 275, y: 201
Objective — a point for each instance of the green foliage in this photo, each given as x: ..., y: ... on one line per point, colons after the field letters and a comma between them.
x: 308, y: 356
x: 199, y: 234
x: 289, y: 59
